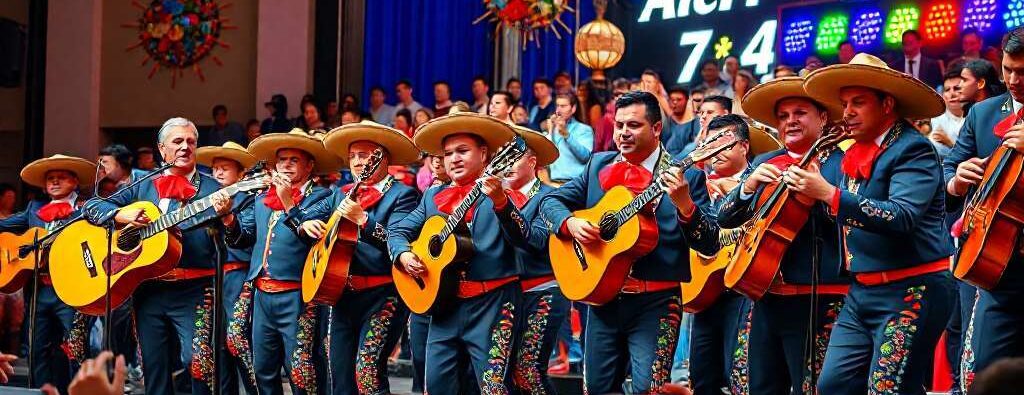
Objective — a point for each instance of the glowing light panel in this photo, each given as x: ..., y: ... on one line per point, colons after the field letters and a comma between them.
x: 1014, y: 15
x: 979, y: 14
x: 797, y: 36
x: 940, y: 22
x: 866, y: 28
x: 831, y: 32
x: 900, y: 20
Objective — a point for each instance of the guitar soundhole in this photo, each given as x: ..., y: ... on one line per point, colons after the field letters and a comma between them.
x: 435, y: 246
x: 609, y: 227
x: 128, y: 240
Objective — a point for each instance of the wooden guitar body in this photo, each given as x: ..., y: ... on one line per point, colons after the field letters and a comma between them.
x: 437, y: 287
x: 706, y: 279
x: 758, y: 256
x: 325, y: 273
x: 992, y: 224
x: 80, y: 262
x: 16, y: 270
x: 594, y: 273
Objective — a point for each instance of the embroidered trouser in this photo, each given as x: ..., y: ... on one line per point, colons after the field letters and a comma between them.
x: 779, y: 358
x: 418, y: 325
x: 53, y: 322
x: 635, y: 334
x: 956, y: 329
x: 279, y: 321
x: 996, y: 327
x: 541, y: 314
x: 713, y: 342
x: 885, y: 336
x: 165, y: 314
x: 478, y: 330
x: 365, y: 328
x: 237, y: 372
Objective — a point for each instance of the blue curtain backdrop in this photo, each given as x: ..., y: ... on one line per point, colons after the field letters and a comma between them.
x: 424, y: 41
x: 554, y: 55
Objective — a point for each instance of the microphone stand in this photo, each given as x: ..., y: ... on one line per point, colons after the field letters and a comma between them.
x: 218, y: 286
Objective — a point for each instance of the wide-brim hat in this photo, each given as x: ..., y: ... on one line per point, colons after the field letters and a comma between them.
x: 761, y: 140
x: 398, y: 145
x: 35, y: 173
x: 914, y: 99
x: 266, y: 146
x: 429, y: 135
x: 759, y: 103
x: 541, y: 145
x: 230, y: 150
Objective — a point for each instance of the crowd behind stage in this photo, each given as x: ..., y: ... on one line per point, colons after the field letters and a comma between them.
x: 584, y: 109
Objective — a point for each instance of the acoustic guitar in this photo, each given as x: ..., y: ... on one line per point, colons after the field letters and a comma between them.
x: 139, y: 253
x: 772, y: 228
x: 444, y: 245
x: 594, y: 273
x: 325, y: 273
x: 992, y: 220
x: 707, y: 274
x: 15, y: 266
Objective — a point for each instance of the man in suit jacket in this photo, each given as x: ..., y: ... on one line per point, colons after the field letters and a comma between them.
x: 994, y: 329
x: 914, y: 63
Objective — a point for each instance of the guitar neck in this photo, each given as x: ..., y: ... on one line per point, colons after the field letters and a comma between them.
x: 460, y: 212
x: 650, y: 193
x: 182, y: 214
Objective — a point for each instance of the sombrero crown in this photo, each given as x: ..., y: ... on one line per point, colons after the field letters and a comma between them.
x: 541, y: 145
x: 431, y: 134
x: 35, y: 173
x: 398, y: 145
x: 266, y: 146
x: 759, y: 103
x: 230, y: 150
x: 914, y: 99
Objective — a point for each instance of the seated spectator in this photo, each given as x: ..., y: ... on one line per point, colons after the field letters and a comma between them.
x: 678, y: 132
x: 978, y: 81
x: 403, y: 122
x: 741, y: 85
x: 145, y: 159
x: 422, y: 116
x: 252, y: 131
x: 222, y: 130
x: 403, y: 90
x: 603, y: 135
x: 115, y: 162
x: 351, y: 116
x: 8, y: 200
x: 333, y: 118
x: 382, y: 113
x: 515, y: 87
x: 442, y: 98
x: 711, y: 81
x: 563, y: 82
x: 520, y: 116
x: 480, y: 89
x: 278, y: 121
x: 846, y: 52
x: 811, y: 63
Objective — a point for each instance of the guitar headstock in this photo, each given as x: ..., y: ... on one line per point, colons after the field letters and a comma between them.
x: 252, y: 182
x: 713, y: 145
x: 371, y: 165
x: 833, y: 133
x: 507, y: 155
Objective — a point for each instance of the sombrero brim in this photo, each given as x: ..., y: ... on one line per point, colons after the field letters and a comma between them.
x: 430, y: 135
x: 761, y: 141
x: 35, y: 173
x: 914, y: 99
x: 398, y: 145
x: 545, y: 149
x: 206, y: 155
x: 759, y: 103
x: 266, y: 146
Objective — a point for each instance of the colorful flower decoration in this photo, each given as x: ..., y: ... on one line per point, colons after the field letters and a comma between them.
x: 529, y: 17
x: 177, y: 34
x: 722, y: 47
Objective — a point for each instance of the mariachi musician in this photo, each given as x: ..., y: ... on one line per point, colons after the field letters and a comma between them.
x: 167, y: 306
x: 228, y: 164
x: 479, y: 325
x: 60, y: 177
x: 646, y: 313
x: 994, y: 329
x: 369, y: 318
x: 543, y: 308
x: 778, y: 341
x: 284, y: 329
x: 890, y: 206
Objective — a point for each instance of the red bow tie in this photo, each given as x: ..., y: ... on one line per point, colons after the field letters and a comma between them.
x: 859, y: 159
x: 54, y: 211
x: 783, y: 162
x: 171, y: 186
x: 451, y: 197
x: 518, y: 198
x: 1004, y: 126
x: 633, y: 177
x: 367, y: 196
x: 274, y: 203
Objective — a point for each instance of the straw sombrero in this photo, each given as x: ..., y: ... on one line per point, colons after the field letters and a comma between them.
x: 759, y: 103
x: 428, y: 136
x: 398, y: 145
x: 266, y: 146
x: 230, y: 150
x: 540, y: 144
x: 914, y: 99
x: 761, y: 140
x: 35, y: 173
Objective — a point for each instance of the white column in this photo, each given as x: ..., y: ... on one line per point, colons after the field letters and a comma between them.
x: 72, y: 109
x: 284, y: 52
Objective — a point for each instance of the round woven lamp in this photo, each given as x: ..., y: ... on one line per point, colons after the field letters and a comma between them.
x: 599, y: 44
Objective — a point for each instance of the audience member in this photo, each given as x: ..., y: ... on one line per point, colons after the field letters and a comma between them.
x: 912, y: 62
x: 442, y: 98
x: 711, y: 80
x: 145, y: 159
x: 501, y: 106
x: 403, y: 90
x: 679, y: 132
x: 252, y: 130
x: 730, y: 67
x: 520, y: 115
x: 115, y: 162
x: 8, y: 200
x: 946, y: 127
x: 515, y: 87
x: 382, y: 113
x: 563, y: 82
x: 222, y: 130
x: 310, y: 119
x: 403, y: 121
x: 575, y: 140
x: 603, y: 135
x: 278, y: 120
x: 353, y: 116
x: 978, y: 81
x: 333, y: 118
x: 743, y: 82
x: 846, y: 52
x: 590, y: 109
x: 421, y: 117
x: 542, y: 107
x: 480, y: 89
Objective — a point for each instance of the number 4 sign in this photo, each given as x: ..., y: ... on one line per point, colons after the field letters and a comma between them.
x: 759, y: 51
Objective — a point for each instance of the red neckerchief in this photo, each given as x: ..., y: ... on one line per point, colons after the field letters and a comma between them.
x: 54, y: 211
x: 367, y: 196
x: 518, y: 198
x: 172, y: 186
x: 274, y: 202
x: 859, y: 159
x: 451, y: 197
x: 634, y: 177
x: 784, y: 161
